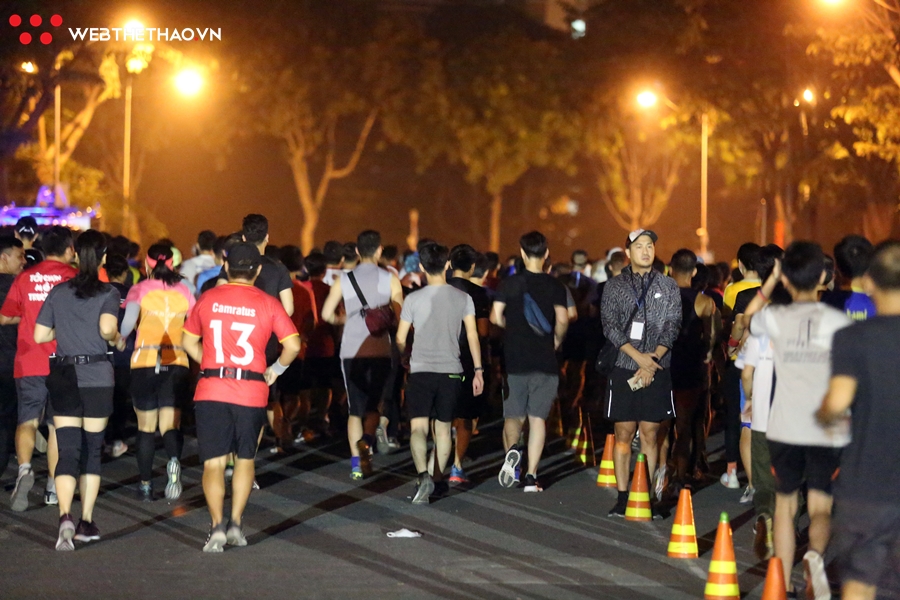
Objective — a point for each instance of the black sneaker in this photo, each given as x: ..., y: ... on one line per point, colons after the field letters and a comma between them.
x: 87, y: 531
x: 531, y: 484
x: 618, y: 510
x: 441, y: 488
x: 217, y: 539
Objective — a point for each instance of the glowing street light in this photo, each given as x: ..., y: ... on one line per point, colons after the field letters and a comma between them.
x: 647, y: 99
x: 189, y: 82
x: 29, y: 67
x: 808, y: 96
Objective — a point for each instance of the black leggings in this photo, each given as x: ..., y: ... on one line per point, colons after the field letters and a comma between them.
x: 731, y: 393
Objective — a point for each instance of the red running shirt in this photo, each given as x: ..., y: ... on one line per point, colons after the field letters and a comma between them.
x: 25, y: 299
x: 235, y: 322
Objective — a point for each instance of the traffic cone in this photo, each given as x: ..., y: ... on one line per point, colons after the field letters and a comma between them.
x: 638, y: 508
x: 722, y: 583
x: 575, y: 444
x: 683, y: 542
x: 606, y: 477
x: 775, y: 588
x: 592, y: 451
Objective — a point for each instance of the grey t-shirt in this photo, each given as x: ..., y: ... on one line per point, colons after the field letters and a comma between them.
x: 801, y: 335
x: 375, y: 285
x: 437, y: 313
x: 77, y: 324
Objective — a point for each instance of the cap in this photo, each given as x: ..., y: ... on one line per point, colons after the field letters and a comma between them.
x: 27, y: 225
x: 243, y: 255
x: 634, y: 235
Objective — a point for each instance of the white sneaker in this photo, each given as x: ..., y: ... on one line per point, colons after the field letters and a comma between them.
x: 817, y: 586
x: 749, y: 492
x: 730, y: 480
x: 24, y: 482
x: 118, y: 449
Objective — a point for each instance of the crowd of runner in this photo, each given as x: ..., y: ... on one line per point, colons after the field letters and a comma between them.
x: 359, y: 340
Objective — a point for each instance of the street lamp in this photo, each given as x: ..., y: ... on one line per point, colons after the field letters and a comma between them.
x: 189, y: 82
x: 135, y: 62
x: 648, y: 99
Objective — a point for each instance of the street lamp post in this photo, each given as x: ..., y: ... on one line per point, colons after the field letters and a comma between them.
x: 648, y: 99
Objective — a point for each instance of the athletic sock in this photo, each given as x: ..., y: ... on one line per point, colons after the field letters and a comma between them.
x: 51, y: 485
x: 173, y: 441
x: 732, y: 467
x: 24, y: 467
x: 623, y: 498
x: 354, y: 462
x: 146, y: 447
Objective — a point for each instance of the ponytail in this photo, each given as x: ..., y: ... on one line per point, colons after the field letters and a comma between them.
x: 90, y: 247
x: 159, y: 263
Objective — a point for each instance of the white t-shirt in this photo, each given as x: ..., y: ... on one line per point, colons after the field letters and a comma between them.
x: 758, y: 354
x: 332, y: 275
x: 801, y: 334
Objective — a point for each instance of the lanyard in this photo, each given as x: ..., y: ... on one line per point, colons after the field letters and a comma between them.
x: 639, y: 299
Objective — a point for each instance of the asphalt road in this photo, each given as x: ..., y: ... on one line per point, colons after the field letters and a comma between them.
x: 314, y: 533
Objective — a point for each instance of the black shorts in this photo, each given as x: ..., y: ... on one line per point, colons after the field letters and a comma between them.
x: 291, y: 381
x: 652, y: 404
x: 223, y: 428
x: 866, y: 540
x: 468, y: 406
x: 792, y: 465
x: 95, y: 403
x: 365, y: 380
x: 170, y: 388
x: 433, y: 395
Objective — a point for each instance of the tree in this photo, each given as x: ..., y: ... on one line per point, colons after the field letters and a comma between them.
x: 495, y: 99
x: 323, y: 107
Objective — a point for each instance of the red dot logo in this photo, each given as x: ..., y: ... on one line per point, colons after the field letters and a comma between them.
x: 35, y: 21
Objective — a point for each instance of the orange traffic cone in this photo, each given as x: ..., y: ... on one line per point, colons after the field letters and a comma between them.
x: 591, y: 450
x: 722, y: 583
x: 638, y: 508
x: 683, y: 543
x: 607, y: 475
x: 575, y: 444
x: 775, y: 588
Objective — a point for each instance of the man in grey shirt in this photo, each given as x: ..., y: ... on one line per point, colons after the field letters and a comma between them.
x: 437, y: 311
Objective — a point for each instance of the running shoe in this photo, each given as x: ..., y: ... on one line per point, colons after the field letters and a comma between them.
x: 618, y: 511
x: 217, y: 539
x: 356, y: 474
x: 365, y: 458
x: 118, y: 449
x: 636, y: 442
x: 66, y: 533
x: 40, y: 442
x: 457, y: 475
x: 235, y: 535
x: 255, y: 484
x: 659, y: 482
x: 749, y: 492
x: 173, y: 485
x: 50, y: 498
x: 817, y: 586
x: 730, y: 480
x: 517, y: 477
x: 393, y: 444
x: 424, y: 489
x: 381, y: 441
x: 87, y: 531
x: 531, y: 484
x: 507, y: 476
x: 763, y: 543
x: 18, y: 500
x: 145, y: 492
x: 441, y: 488
x: 229, y: 471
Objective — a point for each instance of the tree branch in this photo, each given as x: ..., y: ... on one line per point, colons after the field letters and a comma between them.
x: 360, y: 144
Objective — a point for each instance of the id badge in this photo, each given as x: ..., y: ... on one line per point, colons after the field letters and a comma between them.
x: 637, y: 331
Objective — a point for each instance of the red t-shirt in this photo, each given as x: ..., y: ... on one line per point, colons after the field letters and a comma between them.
x: 305, y: 314
x: 321, y: 340
x: 25, y: 299
x: 235, y: 322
